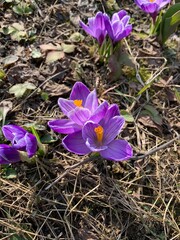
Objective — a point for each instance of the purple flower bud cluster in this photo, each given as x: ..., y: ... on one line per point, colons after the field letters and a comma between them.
x: 21, y: 140
x: 91, y: 127
x: 101, y: 25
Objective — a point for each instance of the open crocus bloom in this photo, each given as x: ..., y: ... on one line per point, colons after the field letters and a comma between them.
x: 96, y: 27
x: 81, y: 107
x: 20, y: 139
x: 100, y: 137
x: 8, y: 154
x: 118, y: 27
x: 152, y: 6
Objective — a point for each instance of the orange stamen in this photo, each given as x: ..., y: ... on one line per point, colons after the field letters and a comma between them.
x: 99, y: 133
x: 78, y: 103
x: 152, y: 1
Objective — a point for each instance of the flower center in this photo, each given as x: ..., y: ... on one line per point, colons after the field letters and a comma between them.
x: 78, y: 103
x: 152, y: 1
x: 99, y: 133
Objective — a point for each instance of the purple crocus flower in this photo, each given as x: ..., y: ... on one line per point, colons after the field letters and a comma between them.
x: 96, y: 27
x: 8, y: 154
x: 20, y: 139
x: 152, y: 6
x: 100, y: 137
x: 81, y: 107
x: 118, y: 27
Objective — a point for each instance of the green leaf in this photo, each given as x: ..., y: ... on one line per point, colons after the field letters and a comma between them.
x: 36, y: 54
x: 20, y: 89
x: 177, y: 94
x: 48, y: 139
x: 45, y: 96
x: 22, y: 9
x: 35, y: 125
x: 9, y: 173
x: 144, y: 88
x: 18, y: 32
x: 170, y: 21
x: 18, y: 237
x: 153, y: 113
x: 127, y: 116
x: 18, y: 9
x: 2, y: 74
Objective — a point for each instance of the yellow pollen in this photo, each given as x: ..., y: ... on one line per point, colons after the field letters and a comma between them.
x: 99, y: 133
x: 78, y: 103
x: 152, y: 1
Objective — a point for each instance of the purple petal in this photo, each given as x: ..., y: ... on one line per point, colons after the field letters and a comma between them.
x: 115, y: 18
x: 92, y: 101
x: 149, y: 7
x: 125, y: 20
x: 138, y: 2
x: 88, y: 131
x: 112, y: 111
x: 31, y: 144
x: 124, y: 34
x: 66, y: 105
x: 20, y: 144
x: 8, y: 154
x: 162, y: 3
x: 109, y: 28
x: 64, y: 126
x: 118, y: 150
x: 100, y: 35
x: 79, y: 115
x: 91, y: 22
x: 121, y: 14
x: 112, y: 128
x: 117, y: 29
x: 90, y: 137
x: 10, y: 131
x: 75, y: 143
x: 91, y: 144
x: 100, y: 112
x: 99, y: 21
x: 79, y: 92
x: 87, y: 29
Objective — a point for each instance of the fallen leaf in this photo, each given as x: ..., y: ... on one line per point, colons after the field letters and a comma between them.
x: 18, y: 26
x: 5, y: 107
x: 50, y: 47
x: 9, y: 60
x: 68, y: 48
x: 76, y: 37
x: 53, y: 56
x: 55, y: 89
x: 20, y: 89
x: 147, y: 121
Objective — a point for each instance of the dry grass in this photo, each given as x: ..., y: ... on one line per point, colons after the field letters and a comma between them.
x: 99, y: 200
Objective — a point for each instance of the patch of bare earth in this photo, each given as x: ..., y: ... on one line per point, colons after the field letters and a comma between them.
x: 98, y: 200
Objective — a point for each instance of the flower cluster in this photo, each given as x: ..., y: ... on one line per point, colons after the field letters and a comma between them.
x: 152, y: 6
x: 91, y: 127
x: 116, y: 28
x: 21, y: 140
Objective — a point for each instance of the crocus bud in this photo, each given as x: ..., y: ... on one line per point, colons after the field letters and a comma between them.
x: 20, y: 139
x: 8, y: 154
